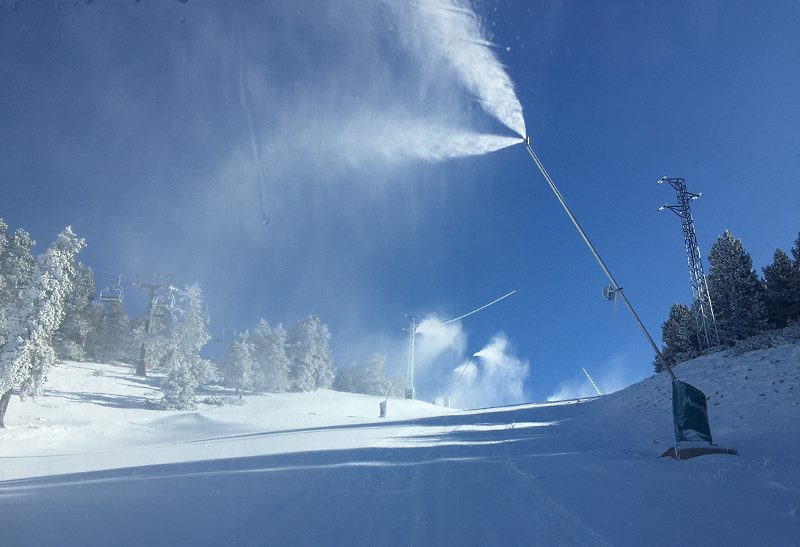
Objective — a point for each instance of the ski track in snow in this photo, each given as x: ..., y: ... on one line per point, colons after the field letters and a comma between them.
x: 321, y: 469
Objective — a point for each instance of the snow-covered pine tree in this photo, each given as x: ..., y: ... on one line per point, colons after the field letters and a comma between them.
x: 186, y: 370
x: 114, y: 340
x: 28, y: 355
x: 240, y: 370
x: 310, y: 356
x: 16, y: 268
x: 3, y: 246
x: 273, y: 373
x: 373, y: 379
x: 69, y: 340
x: 782, y: 280
x: 346, y: 379
x: 736, y: 291
x: 3, y: 310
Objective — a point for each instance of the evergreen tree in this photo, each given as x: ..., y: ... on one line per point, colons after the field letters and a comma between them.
x: 736, y: 292
x: 70, y: 338
x: 796, y: 251
x: 16, y: 268
x: 113, y: 339
x: 310, y: 356
x: 241, y: 364
x: 373, y: 379
x: 346, y: 379
x: 26, y: 358
x: 782, y: 280
x: 186, y: 370
x: 679, y: 333
x: 274, y: 364
x: 368, y: 378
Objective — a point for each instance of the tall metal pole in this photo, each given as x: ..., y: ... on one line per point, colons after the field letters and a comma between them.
x: 412, y: 332
x: 614, y: 284
x: 141, y: 366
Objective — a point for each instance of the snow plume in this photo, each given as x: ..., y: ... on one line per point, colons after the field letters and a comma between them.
x: 454, y: 32
x: 609, y: 377
x: 408, y: 139
x: 437, y: 340
x: 389, y: 137
x: 492, y: 377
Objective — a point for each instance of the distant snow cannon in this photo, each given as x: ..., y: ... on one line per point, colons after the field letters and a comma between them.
x: 689, y: 412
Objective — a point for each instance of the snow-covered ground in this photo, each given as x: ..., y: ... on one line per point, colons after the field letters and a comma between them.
x: 91, y: 464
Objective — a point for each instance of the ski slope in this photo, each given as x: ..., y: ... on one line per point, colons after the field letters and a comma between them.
x: 91, y: 464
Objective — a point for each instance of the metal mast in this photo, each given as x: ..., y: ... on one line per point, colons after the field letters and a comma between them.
x: 412, y: 332
x: 705, y: 322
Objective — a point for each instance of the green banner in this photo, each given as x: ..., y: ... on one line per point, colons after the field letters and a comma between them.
x: 689, y: 413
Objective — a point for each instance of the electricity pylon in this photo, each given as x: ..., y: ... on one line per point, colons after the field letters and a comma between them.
x: 703, y: 310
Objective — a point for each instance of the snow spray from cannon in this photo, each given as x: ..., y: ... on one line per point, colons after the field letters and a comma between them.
x: 689, y: 413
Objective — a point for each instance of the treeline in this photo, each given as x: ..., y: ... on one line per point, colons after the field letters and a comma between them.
x: 744, y: 303
x: 87, y: 330
x: 369, y: 379
x: 48, y: 313
x: 268, y: 359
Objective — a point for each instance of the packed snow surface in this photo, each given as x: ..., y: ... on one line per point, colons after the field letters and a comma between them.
x: 91, y: 463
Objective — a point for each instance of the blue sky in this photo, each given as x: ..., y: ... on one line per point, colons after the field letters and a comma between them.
x: 127, y: 121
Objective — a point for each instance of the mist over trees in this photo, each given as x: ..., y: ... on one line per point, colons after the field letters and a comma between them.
x: 273, y: 360
x: 48, y: 312
x: 369, y: 378
x: 744, y: 304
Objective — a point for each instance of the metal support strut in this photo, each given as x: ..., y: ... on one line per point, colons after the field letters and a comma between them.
x: 586, y: 240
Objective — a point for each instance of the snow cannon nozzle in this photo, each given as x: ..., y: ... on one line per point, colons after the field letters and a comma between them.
x: 527, y: 140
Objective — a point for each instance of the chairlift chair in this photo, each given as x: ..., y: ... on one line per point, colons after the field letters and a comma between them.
x: 164, y: 301
x: 113, y: 293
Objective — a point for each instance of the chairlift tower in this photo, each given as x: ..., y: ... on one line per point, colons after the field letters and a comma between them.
x: 155, y: 301
x: 412, y: 333
x: 705, y: 321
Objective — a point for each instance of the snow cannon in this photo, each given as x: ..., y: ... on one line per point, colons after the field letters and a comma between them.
x: 689, y: 413
x: 692, y: 431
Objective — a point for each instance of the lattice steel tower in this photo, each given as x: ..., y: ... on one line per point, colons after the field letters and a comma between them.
x: 703, y: 310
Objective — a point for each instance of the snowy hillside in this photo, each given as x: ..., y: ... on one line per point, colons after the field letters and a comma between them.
x: 321, y: 468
